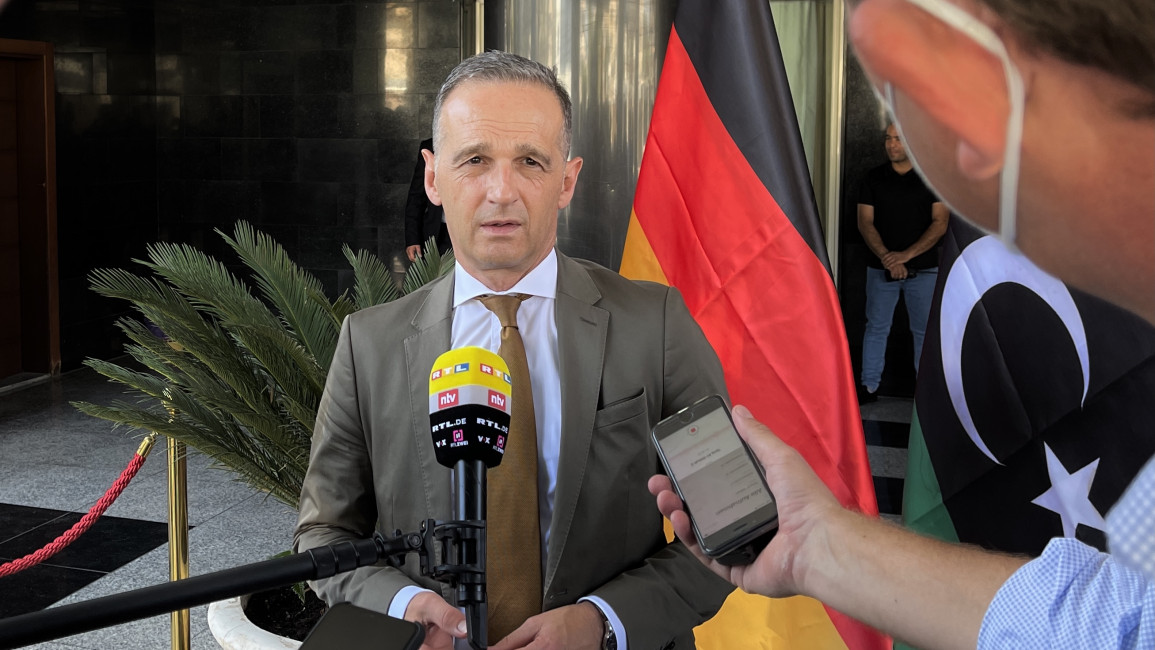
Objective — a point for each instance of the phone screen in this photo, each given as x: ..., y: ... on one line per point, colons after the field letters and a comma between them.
x: 715, y: 474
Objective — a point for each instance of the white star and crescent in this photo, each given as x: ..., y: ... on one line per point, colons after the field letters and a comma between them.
x: 979, y: 267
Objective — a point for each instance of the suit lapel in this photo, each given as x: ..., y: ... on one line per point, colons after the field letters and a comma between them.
x: 581, y: 336
x: 434, y: 324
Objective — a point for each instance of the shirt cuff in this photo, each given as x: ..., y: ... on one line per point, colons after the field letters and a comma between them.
x: 401, y: 600
x: 615, y: 622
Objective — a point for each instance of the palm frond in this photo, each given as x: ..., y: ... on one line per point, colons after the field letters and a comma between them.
x: 374, y: 282
x: 427, y: 268
x: 236, y: 375
x: 296, y: 294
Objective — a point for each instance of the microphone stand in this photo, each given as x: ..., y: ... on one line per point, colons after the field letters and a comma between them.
x: 312, y: 564
x: 465, y: 547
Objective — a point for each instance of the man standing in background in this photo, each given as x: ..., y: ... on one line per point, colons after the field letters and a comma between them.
x: 423, y: 219
x: 902, y: 223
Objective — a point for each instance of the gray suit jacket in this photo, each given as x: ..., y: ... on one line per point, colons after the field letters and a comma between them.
x: 630, y: 354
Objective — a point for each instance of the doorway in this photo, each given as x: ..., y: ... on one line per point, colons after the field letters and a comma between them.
x: 29, y: 308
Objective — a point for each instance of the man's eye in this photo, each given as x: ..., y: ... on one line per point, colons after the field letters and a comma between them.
x: 476, y: 160
x: 531, y: 162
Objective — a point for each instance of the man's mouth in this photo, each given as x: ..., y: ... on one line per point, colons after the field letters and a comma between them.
x: 500, y: 227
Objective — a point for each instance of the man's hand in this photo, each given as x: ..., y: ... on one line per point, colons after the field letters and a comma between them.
x: 804, y: 505
x: 895, y: 258
x: 413, y: 251
x: 898, y: 271
x: 441, y: 620
x: 574, y: 626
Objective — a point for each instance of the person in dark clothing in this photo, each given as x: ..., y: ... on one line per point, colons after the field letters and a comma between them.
x: 902, y: 223
x: 423, y: 219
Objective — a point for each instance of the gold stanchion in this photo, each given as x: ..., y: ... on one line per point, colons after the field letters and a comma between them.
x: 178, y: 535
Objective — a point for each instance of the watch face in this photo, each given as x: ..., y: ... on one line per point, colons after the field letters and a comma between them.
x: 609, y: 639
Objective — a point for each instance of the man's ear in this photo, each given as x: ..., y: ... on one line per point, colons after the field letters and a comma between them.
x: 949, y: 76
x: 573, y: 167
x: 430, y: 175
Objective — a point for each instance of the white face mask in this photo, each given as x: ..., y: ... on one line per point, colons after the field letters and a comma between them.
x: 1009, y: 176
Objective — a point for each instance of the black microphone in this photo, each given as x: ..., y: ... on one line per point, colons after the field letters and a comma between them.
x: 469, y: 411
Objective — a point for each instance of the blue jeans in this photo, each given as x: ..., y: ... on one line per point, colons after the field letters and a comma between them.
x: 881, y: 297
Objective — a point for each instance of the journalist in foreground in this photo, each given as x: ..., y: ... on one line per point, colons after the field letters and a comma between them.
x: 1036, y: 122
x: 577, y: 556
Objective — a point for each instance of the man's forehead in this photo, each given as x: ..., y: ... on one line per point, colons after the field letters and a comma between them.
x: 528, y: 113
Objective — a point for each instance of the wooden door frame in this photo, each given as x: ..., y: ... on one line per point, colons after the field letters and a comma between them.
x: 40, y: 303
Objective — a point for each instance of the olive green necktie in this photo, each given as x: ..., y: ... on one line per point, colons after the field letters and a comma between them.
x: 513, y: 534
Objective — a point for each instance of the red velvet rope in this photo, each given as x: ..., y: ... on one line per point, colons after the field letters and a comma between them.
x: 86, y: 522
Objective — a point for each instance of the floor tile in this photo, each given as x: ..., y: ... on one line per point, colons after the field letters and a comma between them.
x: 889, y: 492
x: 886, y: 434
x: 37, y: 587
x: 109, y: 544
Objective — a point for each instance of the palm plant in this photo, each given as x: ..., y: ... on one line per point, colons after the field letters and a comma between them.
x: 235, y: 375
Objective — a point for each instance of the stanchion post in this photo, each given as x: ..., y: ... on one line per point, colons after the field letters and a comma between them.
x: 178, y: 535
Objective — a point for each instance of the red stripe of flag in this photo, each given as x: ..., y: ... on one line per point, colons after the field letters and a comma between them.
x: 762, y: 297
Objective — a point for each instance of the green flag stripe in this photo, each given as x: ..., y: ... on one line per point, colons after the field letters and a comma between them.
x: 922, y: 507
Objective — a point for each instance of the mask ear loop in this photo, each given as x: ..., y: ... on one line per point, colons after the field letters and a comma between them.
x: 1012, y: 151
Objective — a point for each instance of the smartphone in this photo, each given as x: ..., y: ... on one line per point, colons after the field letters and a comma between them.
x: 349, y: 627
x: 721, y: 483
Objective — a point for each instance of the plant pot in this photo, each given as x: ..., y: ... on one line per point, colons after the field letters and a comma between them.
x: 233, y: 630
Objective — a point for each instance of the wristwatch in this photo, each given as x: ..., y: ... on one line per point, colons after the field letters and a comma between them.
x: 609, y: 638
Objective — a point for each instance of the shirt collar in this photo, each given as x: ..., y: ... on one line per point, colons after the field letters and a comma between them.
x: 540, y: 281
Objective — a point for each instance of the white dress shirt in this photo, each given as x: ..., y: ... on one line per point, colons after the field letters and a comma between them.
x: 474, y: 324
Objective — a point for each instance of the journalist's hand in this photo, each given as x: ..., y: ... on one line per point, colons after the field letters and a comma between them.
x: 413, y: 252
x: 578, y: 626
x: 804, y: 506
x: 441, y: 620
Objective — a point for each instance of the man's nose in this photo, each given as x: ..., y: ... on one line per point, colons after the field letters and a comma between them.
x: 501, y: 184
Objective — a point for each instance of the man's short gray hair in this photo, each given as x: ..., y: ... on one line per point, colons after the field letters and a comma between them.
x: 496, y: 66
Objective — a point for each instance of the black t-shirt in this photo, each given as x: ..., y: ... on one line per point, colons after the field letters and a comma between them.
x: 902, y: 206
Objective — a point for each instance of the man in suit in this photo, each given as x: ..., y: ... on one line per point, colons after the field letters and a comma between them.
x: 607, y: 359
x: 423, y: 218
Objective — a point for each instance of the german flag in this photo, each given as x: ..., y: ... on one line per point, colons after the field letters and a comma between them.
x: 724, y: 211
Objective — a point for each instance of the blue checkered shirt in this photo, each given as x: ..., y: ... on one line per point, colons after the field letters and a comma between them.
x: 1073, y: 596
x: 1131, y: 523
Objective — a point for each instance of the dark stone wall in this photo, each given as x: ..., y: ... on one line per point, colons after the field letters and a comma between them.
x: 303, y: 119
x: 105, y: 151
x: 175, y: 117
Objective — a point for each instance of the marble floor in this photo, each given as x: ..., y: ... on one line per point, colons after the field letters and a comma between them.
x: 56, y: 462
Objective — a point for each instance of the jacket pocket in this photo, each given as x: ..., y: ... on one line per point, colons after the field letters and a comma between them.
x: 621, y: 410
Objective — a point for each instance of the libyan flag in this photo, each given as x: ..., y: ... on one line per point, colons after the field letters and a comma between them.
x: 1034, y: 404
x: 725, y: 212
